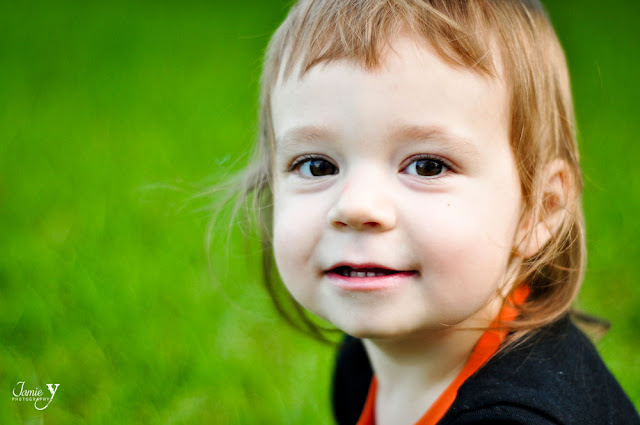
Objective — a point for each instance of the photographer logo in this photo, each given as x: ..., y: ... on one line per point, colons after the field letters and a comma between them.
x: 36, y: 395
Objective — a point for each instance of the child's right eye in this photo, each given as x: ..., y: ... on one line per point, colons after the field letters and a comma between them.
x: 314, y: 167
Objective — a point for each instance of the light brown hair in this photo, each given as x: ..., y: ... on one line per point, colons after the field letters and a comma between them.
x: 471, y: 34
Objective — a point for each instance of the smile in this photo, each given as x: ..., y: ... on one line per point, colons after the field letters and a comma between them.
x: 362, y: 272
x: 367, y: 278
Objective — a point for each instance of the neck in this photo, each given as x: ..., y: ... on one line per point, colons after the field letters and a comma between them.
x: 413, y: 371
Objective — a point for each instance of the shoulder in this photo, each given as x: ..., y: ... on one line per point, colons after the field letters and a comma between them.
x: 555, y: 377
x: 351, y: 378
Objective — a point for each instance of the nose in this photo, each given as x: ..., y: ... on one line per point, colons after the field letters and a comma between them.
x: 364, y: 204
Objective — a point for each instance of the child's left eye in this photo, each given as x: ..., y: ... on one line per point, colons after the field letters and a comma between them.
x: 426, y: 167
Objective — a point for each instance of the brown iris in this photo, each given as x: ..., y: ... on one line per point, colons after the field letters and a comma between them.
x: 428, y: 167
x: 321, y: 167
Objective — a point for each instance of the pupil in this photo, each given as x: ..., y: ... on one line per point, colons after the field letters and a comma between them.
x: 320, y: 167
x: 428, y: 167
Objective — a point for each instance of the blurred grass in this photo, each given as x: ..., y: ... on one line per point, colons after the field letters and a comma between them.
x: 112, y: 115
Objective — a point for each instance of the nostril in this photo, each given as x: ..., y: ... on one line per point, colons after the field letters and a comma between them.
x: 356, y: 225
x: 339, y: 224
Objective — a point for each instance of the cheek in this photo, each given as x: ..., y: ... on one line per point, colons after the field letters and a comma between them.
x: 295, y: 228
x: 466, y: 241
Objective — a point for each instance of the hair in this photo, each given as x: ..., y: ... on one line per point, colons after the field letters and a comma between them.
x: 477, y: 35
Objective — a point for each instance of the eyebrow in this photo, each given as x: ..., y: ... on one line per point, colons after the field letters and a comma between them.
x: 306, y: 134
x: 455, y: 142
x: 311, y: 133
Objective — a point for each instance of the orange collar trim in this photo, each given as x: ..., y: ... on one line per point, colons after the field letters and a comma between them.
x: 484, y: 349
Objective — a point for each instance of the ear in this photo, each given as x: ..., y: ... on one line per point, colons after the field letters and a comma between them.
x: 535, y: 231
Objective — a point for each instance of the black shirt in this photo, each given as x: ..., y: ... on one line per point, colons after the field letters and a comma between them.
x: 555, y: 377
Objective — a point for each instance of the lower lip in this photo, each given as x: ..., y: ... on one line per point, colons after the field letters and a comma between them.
x: 368, y: 284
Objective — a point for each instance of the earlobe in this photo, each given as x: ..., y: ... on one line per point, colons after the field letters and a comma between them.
x: 542, y: 222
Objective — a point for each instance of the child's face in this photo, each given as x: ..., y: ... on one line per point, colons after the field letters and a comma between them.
x: 408, y: 169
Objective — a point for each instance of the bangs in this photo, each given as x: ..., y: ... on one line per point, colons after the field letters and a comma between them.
x: 360, y: 31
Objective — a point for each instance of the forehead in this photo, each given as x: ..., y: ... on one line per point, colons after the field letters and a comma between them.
x: 412, y: 88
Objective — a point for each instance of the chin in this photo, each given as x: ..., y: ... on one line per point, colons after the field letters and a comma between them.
x: 369, y: 334
x: 374, y: 330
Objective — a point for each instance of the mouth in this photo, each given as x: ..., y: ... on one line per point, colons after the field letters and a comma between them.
x: 348, y: 271
x: 368, y: 277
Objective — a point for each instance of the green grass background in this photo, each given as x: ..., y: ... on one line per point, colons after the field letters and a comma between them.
x: 114, y: 114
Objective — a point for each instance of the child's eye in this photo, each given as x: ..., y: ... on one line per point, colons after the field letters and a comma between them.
x: 426, y: 167
x: 314, y: 167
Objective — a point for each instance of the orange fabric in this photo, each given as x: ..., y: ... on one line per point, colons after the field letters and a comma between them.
x: 485, y: 348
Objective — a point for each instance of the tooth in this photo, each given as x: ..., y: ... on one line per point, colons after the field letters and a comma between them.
x: 379, y: 274
x: 362, y: 274
x: 353, y: 273
x: 371, y: 274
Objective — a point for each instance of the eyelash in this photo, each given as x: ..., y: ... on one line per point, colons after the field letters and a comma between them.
x: 446, y: 164
x: 304, y: 158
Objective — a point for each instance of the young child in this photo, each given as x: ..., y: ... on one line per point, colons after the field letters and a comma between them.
x: 418, y: 181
